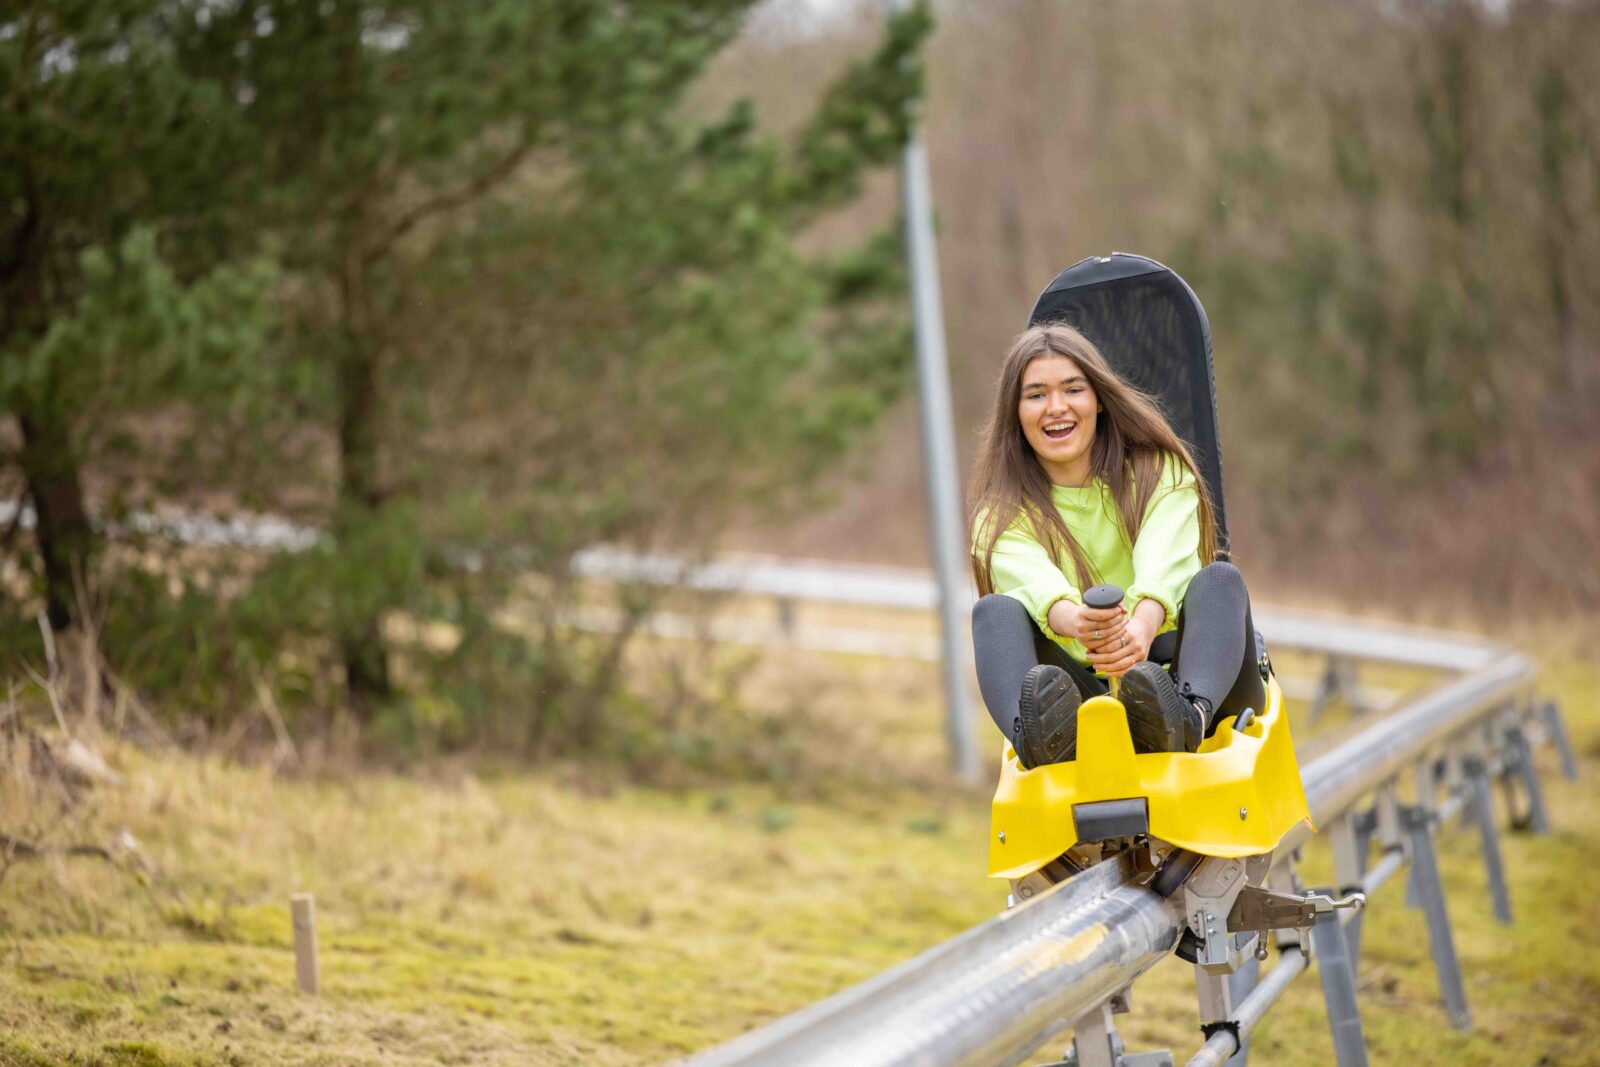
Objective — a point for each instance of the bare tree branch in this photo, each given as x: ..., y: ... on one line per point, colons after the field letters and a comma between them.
x: 20, y: 849
x: 451, y: 199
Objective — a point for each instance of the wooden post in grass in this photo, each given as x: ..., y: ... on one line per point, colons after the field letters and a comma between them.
x: 303, y: 907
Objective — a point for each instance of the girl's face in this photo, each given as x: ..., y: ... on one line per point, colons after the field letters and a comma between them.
x: 1058, y: 410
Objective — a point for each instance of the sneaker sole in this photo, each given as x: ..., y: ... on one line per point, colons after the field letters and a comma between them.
x: 1049, y: 714
x: 1158, y: 722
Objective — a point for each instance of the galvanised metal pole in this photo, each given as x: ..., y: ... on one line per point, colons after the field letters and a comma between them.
x: 939, y: 449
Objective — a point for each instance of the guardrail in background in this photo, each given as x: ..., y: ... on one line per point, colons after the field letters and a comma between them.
x: 1067, y: 957
x: 1343, y: 642
x: 789, y: 581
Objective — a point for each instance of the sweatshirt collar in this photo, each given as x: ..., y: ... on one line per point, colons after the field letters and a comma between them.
x: 1078, y: 496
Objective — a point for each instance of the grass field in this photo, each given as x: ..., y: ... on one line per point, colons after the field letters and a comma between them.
x: 565, y: 916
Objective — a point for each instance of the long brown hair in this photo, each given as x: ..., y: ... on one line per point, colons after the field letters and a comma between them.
x: 1131, y: 438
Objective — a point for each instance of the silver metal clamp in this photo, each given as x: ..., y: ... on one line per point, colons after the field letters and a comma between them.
x: 1256, y: 908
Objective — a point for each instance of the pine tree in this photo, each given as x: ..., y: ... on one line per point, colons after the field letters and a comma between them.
x: 108, y: 142
x: 384, y: 126
x: 529, y: 174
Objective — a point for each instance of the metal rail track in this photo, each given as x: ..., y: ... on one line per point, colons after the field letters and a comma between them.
x: 789, y: 581
x: 1068, y: 957
x: 806, y: 580
x: 913, y: 590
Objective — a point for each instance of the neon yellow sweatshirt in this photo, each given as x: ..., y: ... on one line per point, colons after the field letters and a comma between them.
x: 1158, y: 567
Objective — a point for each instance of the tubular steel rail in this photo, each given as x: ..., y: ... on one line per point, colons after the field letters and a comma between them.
x: 789, y: 581
x: 1067, y: 957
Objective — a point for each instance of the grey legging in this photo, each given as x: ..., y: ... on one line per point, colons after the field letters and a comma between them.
x: 1216, y: 647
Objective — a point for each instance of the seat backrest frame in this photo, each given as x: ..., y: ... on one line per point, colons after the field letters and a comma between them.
x: 1153, y: 330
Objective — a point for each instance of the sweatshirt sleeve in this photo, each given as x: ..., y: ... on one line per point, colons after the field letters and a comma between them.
x: 1167, y: 554
x: 1024, y: 571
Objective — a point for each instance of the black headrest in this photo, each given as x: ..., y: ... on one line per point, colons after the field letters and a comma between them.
x: 1150, y: 326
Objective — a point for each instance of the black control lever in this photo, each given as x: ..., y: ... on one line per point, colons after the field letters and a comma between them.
x: 1104, y: 596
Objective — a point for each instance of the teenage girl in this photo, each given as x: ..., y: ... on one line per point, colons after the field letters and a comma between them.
x: 1081, y: 481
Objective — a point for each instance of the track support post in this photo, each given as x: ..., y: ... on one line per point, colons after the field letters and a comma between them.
x: 1096, y: 1043
x: 1340, y: 678
x: 1519, y: 765
x: 1352, y: 841
x: 1429, y: 887
x: 1556, y: 726
x: 1338, y: 976
x: 1477, y: 772
x: 1240, y: 984
x: 1216, y: 996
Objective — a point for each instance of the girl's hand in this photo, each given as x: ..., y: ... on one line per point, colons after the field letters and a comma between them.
x: 1114, y: 657
x: 1091, y: 627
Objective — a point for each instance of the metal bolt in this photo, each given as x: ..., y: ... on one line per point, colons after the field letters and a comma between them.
x: 1002, y: 837
x: 1243, y: 812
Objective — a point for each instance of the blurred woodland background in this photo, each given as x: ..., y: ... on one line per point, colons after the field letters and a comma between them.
x: 1389, y: 211
x: 469, y: 288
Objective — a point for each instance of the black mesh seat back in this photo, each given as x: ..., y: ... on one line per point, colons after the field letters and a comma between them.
x: 1151, y: 328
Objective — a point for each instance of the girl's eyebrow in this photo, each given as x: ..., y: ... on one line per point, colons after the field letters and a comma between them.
x: 1065, y: 381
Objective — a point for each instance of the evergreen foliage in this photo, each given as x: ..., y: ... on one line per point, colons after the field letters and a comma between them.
x: 109, y: 142
x: 520, y: 299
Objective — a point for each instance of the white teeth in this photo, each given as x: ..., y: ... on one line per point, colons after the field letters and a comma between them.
x: 1054, y: 426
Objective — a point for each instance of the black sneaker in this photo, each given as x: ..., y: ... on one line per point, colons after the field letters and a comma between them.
x: 1159, y: 717
x: 1046, y: 730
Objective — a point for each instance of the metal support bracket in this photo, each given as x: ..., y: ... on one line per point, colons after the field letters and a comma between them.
x: 1215, y: 994
x: 1261, y: 909
x: 1520, y: 764
x: 1219, y: 996
x: 1208, y: 899
x: 1430, y: 893
x: 1339, y: 678
x: 1477, y: 774
x: 1352, y: 844
x: 1339, y: 991
x: 1430, y: 771
x: 1096, y: 1043
x: 1240, y: 985
x: 1386, y: 817
x: 1557, y: 727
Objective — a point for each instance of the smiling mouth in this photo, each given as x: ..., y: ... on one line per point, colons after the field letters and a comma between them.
x: 1059, y: 431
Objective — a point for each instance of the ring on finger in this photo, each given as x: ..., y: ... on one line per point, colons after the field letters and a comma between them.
x: 1096, y: 635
